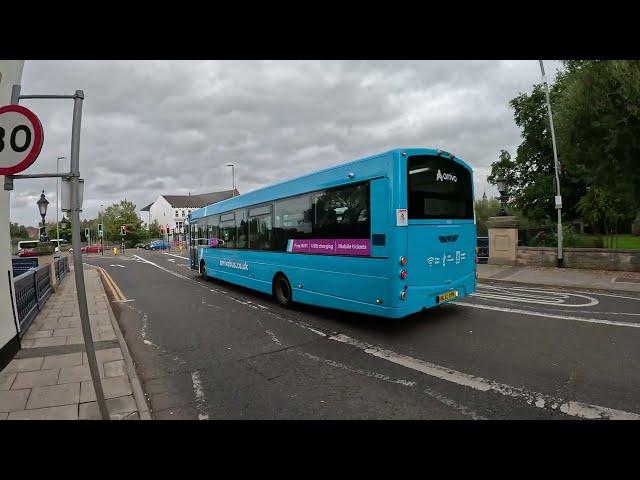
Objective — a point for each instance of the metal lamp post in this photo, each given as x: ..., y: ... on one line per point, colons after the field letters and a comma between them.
x: 233, y: 179
x: 501, y: 183
x: 43, y: 203
x: 558, y: 199
x: 57, y: 198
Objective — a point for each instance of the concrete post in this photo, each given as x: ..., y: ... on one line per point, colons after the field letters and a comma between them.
x: 503, y: 240
x: 10, y: 75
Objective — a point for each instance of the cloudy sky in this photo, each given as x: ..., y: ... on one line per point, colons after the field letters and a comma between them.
x: 169, y: 127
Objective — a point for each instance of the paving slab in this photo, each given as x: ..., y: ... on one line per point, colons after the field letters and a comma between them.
x: 54, y: 395
x: 4, y: 415
x: 116, y: 407
x: 65, y: 412
x: 46, y: 342
x: 6, y: 379
x: 63, y: 360
x: 79, y: 373
x: 112, y: 387
x: 114, y: 369
x: 41, y: 378
x: 106, y: 355
x: 11, y: 400
x: 65, y: 332
x: 24, y: 365
x: 31, y: 334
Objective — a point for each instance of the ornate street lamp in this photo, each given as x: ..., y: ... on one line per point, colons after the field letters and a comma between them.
x: 43, y: 203
x: 501, y: 183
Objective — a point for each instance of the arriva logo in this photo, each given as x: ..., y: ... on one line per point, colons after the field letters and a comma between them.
x: 236, y: 265
x: 447, y: 176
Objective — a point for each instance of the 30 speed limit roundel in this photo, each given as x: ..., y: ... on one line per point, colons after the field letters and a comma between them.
x: 21, y: 138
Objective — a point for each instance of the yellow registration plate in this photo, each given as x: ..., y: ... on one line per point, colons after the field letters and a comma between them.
x: 447, y: 296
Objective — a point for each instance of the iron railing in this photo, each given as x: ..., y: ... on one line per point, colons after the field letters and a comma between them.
x: 33, y: 288
x: 21, y: 265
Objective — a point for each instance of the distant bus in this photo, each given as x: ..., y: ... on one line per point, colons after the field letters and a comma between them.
x: 27, y: 244
x: 388, y: 235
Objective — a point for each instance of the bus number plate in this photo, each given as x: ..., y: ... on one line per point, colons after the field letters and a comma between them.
x: 447, y: 296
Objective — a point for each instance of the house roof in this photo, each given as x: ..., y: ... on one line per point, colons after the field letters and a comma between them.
x: 195, y: 201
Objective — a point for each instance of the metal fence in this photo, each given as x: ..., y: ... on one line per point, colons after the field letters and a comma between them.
x: 21, y: 265
x: 33, y: 288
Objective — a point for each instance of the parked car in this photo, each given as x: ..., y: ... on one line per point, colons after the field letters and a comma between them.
x: 92, y: 249
x: 159, y: 245
x: 27, y: 252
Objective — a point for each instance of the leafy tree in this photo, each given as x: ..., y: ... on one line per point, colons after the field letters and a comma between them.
x: 484, y: 209
x: 599, y: 117
x: 18, y: 231
x: 531, y: 175
x: 154, y: 230
x: 123, y: 213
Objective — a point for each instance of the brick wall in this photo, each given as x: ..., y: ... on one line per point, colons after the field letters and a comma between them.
x: 592, y: 258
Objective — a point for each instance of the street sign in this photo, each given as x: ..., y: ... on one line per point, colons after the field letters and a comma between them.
x: 21, y: 139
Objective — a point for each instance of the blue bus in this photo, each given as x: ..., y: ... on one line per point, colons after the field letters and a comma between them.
x: 387, y: 235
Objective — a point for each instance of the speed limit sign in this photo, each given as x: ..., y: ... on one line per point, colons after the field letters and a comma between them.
x: 21, y: 138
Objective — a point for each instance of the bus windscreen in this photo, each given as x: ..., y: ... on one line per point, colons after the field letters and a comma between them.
x: 438, y: 188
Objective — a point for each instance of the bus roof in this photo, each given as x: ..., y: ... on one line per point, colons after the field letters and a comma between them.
x: 325, y: 178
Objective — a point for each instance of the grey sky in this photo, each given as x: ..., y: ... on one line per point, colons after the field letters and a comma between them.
x: 169, y: 127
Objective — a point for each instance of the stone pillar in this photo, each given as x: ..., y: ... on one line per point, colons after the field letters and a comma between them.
x: 503, y: 240
x: 49, y: 260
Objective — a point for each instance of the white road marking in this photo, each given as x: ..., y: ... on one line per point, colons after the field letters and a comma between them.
x: 273, y: 337
x: 366, y: 373
x: 117, y: 265
x: 171, y: 259
x: 533, y: 295
x: 124, y: 301
x: 549, y: 315
x: 201, y: 401
x: 539, y: 400
x: 162, y: 268
x: 173, y: 255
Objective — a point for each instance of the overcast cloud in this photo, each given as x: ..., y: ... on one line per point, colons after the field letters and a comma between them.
x: 169, y: 127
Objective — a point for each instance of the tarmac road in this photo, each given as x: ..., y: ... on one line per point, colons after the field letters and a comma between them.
x: 211, y: 350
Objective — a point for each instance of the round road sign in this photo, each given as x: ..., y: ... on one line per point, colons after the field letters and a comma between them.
x: 21, y: 138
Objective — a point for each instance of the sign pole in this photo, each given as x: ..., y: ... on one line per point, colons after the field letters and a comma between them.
x: 77, y: 254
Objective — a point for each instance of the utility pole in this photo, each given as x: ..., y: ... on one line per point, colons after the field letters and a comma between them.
x: 558, y: 199
x: 58, y: 199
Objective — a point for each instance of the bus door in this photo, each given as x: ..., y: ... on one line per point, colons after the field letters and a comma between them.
x: 193, y: 245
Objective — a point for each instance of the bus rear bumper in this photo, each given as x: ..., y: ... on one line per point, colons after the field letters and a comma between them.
x: 424, y: 297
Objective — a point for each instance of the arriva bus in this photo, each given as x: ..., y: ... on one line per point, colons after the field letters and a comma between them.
x: 388, y: 235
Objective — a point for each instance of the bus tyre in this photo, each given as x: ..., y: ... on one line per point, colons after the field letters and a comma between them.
x: 282, y: 290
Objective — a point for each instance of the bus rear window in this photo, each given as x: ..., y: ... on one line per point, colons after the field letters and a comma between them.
x: 438, y: 188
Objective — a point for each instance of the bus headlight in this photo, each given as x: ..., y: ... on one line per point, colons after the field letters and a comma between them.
x: 403, y: 261
x: 403, y: 274
x: 403, y: 295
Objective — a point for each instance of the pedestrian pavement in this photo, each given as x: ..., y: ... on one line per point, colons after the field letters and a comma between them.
x: 563, y: 277
x: 49, y: 378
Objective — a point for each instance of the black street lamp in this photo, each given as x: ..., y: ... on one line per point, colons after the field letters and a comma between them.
x: 43, y: 203
x: 501, y: 183
x: 64, y: 223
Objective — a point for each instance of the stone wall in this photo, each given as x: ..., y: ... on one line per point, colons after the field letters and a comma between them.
x: 591, y: 258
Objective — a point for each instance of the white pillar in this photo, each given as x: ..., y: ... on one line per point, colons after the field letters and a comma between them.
x: 10, y: 74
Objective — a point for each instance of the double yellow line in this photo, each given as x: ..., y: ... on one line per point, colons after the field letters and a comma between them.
x: 115, y: 290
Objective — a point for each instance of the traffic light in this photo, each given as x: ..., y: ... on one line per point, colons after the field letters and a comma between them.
x: 86, y: 233
x: 100, y: 230
x: 123, y: 230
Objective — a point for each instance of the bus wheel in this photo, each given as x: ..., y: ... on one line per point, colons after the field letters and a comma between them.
x: 282, y: 290
x: 203, y: 270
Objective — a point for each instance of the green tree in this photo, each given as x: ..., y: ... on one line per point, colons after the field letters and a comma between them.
x: 154, y: 230
x: 484, y: 209
x: 531, y: 174
x: 18, y: 231
x: 599, y: 117
x: 123, y: 213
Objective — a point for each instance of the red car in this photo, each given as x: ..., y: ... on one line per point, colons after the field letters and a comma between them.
x: 27, y: 252
x: 91, y: 249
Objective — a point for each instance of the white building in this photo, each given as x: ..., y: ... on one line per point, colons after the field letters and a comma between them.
x: 172, y: 210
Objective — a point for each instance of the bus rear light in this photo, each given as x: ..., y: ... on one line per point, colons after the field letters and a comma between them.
x: 403, y: 295
x: 403, y: 261
x: 403, y: 274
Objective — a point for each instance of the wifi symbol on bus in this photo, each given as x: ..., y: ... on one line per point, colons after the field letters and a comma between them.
x: 430, y: 261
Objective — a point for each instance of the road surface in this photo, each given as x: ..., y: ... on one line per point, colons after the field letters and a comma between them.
x: 211, y: 350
